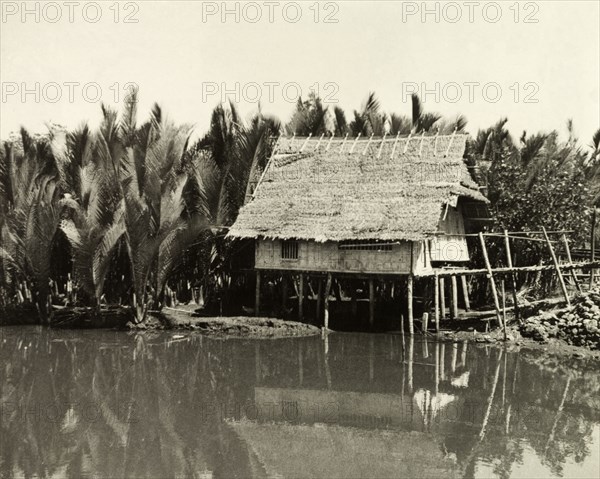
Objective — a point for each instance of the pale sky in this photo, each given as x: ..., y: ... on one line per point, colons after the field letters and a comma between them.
x: 545, y: 72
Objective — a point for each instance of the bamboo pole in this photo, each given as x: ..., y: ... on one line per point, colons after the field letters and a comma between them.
x: 503, y: 309
x: 570, y: 260
x: 326, y: 301
x: 454, y: 297
x: 558, y: 271
x: 411, y: 326
x: 593, y: 247
x: 534, y: 268
x: 437, y: 303
x: 491, y: 278
x: 301, y: 297
x: 513, y: 276
x: 465, y: 288
x: 257, y: 295
x: 425, y: 322
x: 442, y: 297
x: 411, y: 352
x: 437, y: 367
x: 371, y: 302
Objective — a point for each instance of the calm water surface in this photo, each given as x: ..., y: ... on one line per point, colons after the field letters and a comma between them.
x: 112, y: 405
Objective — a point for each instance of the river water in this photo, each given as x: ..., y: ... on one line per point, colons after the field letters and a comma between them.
x: 105, y: 404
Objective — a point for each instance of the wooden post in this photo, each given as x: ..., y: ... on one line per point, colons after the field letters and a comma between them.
x: 437, y: 367
x: 411, y: 353
x: 301, y: 297
x: 371, y: 302
x: 425, y: 322
x: 284, y: 293
x: 437, y: 303
x: 257, y: 295
x: 557, y: 267
x: 503, y: 309
x: 465, y: 288
x: 570, y: 260
x: 593, y: 247
x: 353, y: 302
x: 491, y: 278
x: 326, y: 301
x: 319, y: 300
x: 513, y: 277
x: 454, y: 297
x: 442, y: 297
x: 411, y: 326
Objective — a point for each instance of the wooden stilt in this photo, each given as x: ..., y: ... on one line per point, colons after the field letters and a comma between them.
x: 319, y: 300
x: 437, y: 303
x: 454, y: 297
x: 513, y: 275
x: 300, y: 297
x: 442, y: 297
x: 503, y: 309
x: 437, y: 367
x: 491, y: 278
x: 443, y: 361
x: 570, y: 260
x: 326, y: 301
x: 557, y: 267
x: 593, y: 247
x: 371, y: 302
x: 257, y: 295
x: 411, y: 353
x: 465, y: 289
x: 425, y: 322
x: 337, y: 291
x: 284, y: 293
x: 411, y: 319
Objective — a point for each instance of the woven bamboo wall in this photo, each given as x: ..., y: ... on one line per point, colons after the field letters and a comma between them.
x: 327, y: 257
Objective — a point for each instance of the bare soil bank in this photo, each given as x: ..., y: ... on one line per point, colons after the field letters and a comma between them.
x: 184, y: 318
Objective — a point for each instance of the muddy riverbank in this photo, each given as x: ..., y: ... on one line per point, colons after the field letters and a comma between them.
x: 184, y: 317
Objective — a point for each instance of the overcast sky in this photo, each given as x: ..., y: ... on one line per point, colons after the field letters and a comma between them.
x: 536, y: 63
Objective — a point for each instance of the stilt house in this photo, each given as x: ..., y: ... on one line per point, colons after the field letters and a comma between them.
x: 363, y: 207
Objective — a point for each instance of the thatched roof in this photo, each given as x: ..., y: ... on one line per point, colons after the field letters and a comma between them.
x: 357, y: 190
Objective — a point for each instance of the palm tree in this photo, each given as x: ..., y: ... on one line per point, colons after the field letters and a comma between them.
x: 153, y: 180
x: 31, y: 207
x: 369, y: 120
x: 422, y: 121
x: 96, y: 223
x: 224, y: 170
x: 341, y: 125
x: 309, y: 117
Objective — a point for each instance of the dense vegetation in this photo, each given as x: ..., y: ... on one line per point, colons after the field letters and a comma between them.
x: 134, y: 213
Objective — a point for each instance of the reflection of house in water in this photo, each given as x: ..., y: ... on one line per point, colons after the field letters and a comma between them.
x: 299, y: 451
x: 318, y: 426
